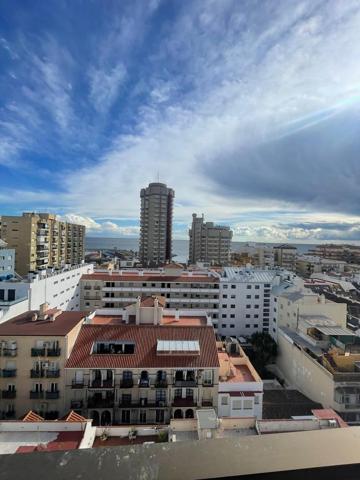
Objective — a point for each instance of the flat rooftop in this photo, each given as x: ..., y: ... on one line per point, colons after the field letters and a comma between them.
x: 284, y: 403
x: 37, y: 441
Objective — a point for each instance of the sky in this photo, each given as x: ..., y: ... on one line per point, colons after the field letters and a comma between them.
x: 249, y: 110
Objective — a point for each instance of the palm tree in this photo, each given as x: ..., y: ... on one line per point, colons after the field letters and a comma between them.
x: 264, y: 347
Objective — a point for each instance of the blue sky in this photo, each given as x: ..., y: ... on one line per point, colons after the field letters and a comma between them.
x: 248, y: 109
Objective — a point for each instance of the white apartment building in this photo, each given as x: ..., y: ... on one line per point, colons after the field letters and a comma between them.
x: 59, y: 289
x: 7, y: 261
x: 112, y: 290
x: 246, y: 303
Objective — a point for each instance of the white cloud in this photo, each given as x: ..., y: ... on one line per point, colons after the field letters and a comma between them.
x: 106, y: 228
x: 105, y: 86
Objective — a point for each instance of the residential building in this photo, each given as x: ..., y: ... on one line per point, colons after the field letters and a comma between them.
x: 346, y: 253
x: 156, y: 225
x: 240, y: 386
x: 261, y: 256
x: 7, y: 261
x: 112, y: 290
x: 245, y: 303
x: 33, y: 349
x: 57, y: 288
x: 208, y: 242
x: 306, y: 265
x: 143, y: 367
x: 41, y: 241
x: 285, y: 256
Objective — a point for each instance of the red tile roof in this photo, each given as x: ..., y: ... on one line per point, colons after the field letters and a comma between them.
x: 73, y: 417
x: 31, y: 417
x: 189, y: 320
x: 329, y: 414
x: 22, y: 324
x: 150, y: 301
x: 150, y: 278
x: 145, y: 339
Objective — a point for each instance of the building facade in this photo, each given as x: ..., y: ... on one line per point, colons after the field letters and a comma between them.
x: 208, y: 242
x: 285, y: 256
x: 7, y: 261
x: 33, y: 349
x: 156, y: 225
x: 182, y: 289
x: 41, y: 241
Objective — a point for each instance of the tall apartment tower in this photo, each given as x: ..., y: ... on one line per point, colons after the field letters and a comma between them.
x: 156, y: 224
x: 41, y: 241
x: 208, y: 242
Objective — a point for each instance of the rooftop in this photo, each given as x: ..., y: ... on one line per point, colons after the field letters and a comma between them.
x: 153, y: 277
x: 145, y: 339
x: 23, y: 325
x: 246, y: 275
x: 286, y: 403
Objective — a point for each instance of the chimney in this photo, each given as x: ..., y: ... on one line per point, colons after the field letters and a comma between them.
x: 42, y: 311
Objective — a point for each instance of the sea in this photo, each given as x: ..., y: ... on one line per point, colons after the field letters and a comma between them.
x: 180, y: 247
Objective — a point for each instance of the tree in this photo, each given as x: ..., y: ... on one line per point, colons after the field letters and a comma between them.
x: 265, y: 349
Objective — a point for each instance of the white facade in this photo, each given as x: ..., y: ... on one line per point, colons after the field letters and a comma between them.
x: 246, y: 304
x: 60, y: 289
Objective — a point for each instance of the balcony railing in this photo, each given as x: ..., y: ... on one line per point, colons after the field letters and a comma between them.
x: 8, y: 415
x: 9, y: 352
x: 184, y: 402
x: 35, y: 373
x: 161, y: 383
x: 143, y: 383
x: 77, y: 384
x: 38, y: 352
x: 127, y: 383
x: 53, y: 373
x: 185, y: 383
x: 9, y: 394
x: 94, y: 402
x: 8, y: 372
x: 101, y: 384
x: 53, y: 352
x: 36, y: 395
x: 52, y: 395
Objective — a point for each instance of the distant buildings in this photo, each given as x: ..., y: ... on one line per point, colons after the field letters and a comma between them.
x: 7, y: 261
x: 156, y: 225
x: 285, y: 256
x: 208, y: 242
x: 41, y: 241
x: 306, y: 265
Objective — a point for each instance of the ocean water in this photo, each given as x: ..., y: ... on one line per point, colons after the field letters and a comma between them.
x: 180, y: 247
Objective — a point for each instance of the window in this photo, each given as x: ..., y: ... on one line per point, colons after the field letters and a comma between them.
x: 224, y: 400
x: 232, y: 315
x: 257, y: 287
x: 233, y: 296
x: 232, y: 325
x: 256, y: 306
x: 233, y: 286
x: 248, y: 404
x: 256, y: 325
x: 247, y: 326
x: 223, y: 325
x: 248, y: 306
x: 224, y: 306
x: 225, y: 286
x: 232, y: 306
x: 247, y: 315
x: 160, y: 416
x: 248, y: 287
x: 256, y: 315
x: 248, y: 296
x: 223, y: 315
x: 257, y: 296
x: 224, y: 296
x: 236, y: 405
x: 142, y: 416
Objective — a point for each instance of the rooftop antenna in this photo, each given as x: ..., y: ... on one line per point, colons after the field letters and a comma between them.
x: 158, y: 176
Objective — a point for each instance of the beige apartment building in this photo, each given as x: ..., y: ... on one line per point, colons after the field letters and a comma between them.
x: 285, y: 256
x: 143, y: 367
x: 41, y: 241
x: 33, y: 349
x: 112, y: 290
x: 209, y: 243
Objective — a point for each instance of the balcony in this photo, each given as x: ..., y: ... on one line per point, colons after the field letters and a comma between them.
x: 53, y: 373
x: 185, y: 383
x: 127, y: 383
x: 37, y: 373
x: 8, y: 415
x: 51, y: 415
x: 9, y: 352
x: 9, y: 394
x: 77, y: 384
x: 52, y: 395
x: 101, y: 384
x: 38, y: 352
x: 144, y: 383
x: 9, y: 372
x: 76, y: 404
x: 184, y: 402
x: 161, y: 384
x: 94, y: 402
x: 36, y: 395
x: 53, y: 352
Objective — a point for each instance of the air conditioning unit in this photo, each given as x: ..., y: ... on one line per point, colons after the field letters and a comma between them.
x: 333, y: 423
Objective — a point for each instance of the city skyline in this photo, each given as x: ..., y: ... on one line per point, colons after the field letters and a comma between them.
x: 250, y: 114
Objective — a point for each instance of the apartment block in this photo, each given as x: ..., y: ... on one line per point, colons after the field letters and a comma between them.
x: 112, y: 290
x: 7, y: 261
x: 156, y: 225
x: 41, y: 241
x: 306, y: 265
x: 246, y: 303
x: 143, y: 367
x: 58, y: 288
x: 346, y: 253
x: 285, y: 256
x: 209, y: 242
x: 33, y: 349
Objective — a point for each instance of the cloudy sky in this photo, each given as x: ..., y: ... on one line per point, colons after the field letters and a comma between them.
x: 249, y: 109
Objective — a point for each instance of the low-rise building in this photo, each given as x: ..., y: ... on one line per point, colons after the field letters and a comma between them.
x: 58, y: 288
x: 112, y: 290
x: 306, y: 265
x: 240, y: 386
x: 33, y: 349
x: 144, y: 367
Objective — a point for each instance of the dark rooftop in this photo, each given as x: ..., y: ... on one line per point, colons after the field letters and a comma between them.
x: 282, y: 404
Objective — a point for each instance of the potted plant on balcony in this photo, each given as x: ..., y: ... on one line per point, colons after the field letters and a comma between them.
x: 132, y: 433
